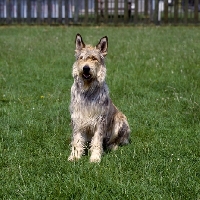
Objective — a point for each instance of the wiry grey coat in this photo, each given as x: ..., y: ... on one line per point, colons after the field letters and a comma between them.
x: 94, y: 117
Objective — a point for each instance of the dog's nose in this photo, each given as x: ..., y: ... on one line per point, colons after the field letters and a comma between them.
x: 86, y: 68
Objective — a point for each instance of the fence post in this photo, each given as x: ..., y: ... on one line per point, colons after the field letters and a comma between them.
x: 60, y: 11
x: 39, y: 11
x: 151, y: 10
x: 66, y: 11
x: 146, y: 11
x: 175, y: 12
x: 156, y: 12
x: 8, y: 8
x: 185, y: 9
x: 136, y: 12
x: 101, y: 9
x: 28, y: 11
x: 125, y: 11
x: 166, y: 11
x: 86, y: 12
x: 106, y: 11
x: 19, y: 11
x: 116, y: 12
x: 195, y: 11
x: 49, y: 11
x: 96, y: 14
x: 76, y: 10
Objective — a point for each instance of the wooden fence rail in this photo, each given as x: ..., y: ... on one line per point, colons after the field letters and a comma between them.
x: 92, y: 12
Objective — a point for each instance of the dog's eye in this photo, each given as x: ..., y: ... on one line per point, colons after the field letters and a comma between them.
x: 81, y: 57
x: 94, y: 58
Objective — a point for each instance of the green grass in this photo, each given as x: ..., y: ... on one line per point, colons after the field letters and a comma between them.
x: 154, y: 77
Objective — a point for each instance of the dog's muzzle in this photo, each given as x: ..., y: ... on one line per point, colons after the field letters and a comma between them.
x: 86, y: 72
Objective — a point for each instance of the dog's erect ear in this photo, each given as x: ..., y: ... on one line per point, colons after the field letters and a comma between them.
x: 103, y: 45
x: 79, y: 42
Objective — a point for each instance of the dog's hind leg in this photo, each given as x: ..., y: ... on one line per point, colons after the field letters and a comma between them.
x: 120, y: 132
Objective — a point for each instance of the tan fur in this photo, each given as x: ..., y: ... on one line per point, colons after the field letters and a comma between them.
x: 94, y: 117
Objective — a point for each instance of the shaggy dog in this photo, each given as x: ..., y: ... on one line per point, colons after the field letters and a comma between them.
x: 94, y: 117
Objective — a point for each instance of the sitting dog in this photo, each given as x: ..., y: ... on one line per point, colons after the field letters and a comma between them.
x: 94, y: 117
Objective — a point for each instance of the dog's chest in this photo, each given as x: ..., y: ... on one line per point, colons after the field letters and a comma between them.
x: 86, y: 107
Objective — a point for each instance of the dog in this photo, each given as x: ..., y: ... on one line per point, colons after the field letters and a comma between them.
x: 94, y: 118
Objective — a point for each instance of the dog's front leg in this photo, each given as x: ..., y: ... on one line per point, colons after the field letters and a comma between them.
x: 97, y: 146
x: 77, y: 146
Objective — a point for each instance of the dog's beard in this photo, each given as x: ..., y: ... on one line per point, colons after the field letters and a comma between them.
x: 87, y: 85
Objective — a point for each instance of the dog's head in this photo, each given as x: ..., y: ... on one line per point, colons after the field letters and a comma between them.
x: 89, y: 66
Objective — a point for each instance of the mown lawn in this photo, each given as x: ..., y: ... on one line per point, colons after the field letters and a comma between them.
x: 154, y: 77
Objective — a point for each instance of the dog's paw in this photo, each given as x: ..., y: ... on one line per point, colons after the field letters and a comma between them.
x: 73, y: 158
x: 95, y: 159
